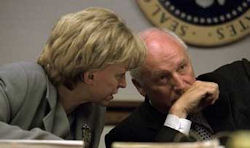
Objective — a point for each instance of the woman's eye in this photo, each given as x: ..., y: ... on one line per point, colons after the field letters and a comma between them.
x: 120, y: 76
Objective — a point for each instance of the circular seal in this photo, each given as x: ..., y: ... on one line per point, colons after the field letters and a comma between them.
x: 201, y: 22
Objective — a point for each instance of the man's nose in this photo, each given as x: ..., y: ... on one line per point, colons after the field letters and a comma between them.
x: 178, y: 83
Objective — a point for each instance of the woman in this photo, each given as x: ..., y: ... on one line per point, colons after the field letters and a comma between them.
x: 79, y: 70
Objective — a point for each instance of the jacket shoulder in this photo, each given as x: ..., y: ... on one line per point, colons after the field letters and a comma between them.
x: 20, y: 81
x: 233, y: 75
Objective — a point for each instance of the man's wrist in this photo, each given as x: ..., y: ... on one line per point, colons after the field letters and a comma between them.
x: 178, y: 111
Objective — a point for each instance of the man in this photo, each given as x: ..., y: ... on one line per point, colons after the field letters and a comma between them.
x: 81, y: 67
x: 177, y: 106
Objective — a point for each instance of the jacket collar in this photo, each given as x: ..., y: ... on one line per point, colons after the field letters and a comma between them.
x: 56, y: 120
x: 154, y: 118
x: 246, y: 64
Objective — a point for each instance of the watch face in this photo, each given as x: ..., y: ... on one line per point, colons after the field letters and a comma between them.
x: 201, y: 22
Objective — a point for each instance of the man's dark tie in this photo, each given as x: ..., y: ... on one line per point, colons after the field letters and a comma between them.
x: 200, y: 129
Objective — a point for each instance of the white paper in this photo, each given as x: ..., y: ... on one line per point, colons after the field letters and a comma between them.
x: 41, y: 144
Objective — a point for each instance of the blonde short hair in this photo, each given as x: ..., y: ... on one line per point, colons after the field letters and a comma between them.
x: 89, y: 39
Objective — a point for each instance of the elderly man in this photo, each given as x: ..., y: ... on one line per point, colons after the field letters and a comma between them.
x: 177, y: 105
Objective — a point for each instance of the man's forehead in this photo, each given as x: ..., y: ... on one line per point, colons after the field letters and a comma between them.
x: 164, y: 67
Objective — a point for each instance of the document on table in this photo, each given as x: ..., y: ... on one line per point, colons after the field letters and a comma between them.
x: 201, y: 144
x: 41, y: 144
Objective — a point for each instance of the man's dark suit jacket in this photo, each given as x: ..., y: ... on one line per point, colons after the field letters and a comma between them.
x: 231, y: 111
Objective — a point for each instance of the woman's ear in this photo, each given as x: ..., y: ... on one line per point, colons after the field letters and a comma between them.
x: 87, y: 77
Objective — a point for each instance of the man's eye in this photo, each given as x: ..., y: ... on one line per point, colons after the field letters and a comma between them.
x: 163, y: 78
x: 182, y: 67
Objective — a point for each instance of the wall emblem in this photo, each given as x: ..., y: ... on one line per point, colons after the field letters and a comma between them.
x: 201, y: 22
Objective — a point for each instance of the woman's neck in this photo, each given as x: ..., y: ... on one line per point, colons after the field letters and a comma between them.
x: 70, y: 99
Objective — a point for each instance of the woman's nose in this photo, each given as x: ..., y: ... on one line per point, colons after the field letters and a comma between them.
x: 123, y: 83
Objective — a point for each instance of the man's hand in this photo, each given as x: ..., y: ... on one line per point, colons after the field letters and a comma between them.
x: 198, y: 96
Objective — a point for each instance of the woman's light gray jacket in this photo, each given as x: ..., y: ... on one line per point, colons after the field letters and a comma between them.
x: 29, y: 108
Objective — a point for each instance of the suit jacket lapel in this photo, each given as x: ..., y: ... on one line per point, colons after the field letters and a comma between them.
x: 61, y: 126
x: 155, y: 119
x: 247, y: 67
x: 51, y: 97
x: 56, y: 120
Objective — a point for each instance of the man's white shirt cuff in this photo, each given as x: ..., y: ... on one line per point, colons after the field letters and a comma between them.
x: 180, y: 124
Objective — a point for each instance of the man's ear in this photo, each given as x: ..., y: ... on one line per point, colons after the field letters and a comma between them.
x: 87, y: 77
x: 139, y: 87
